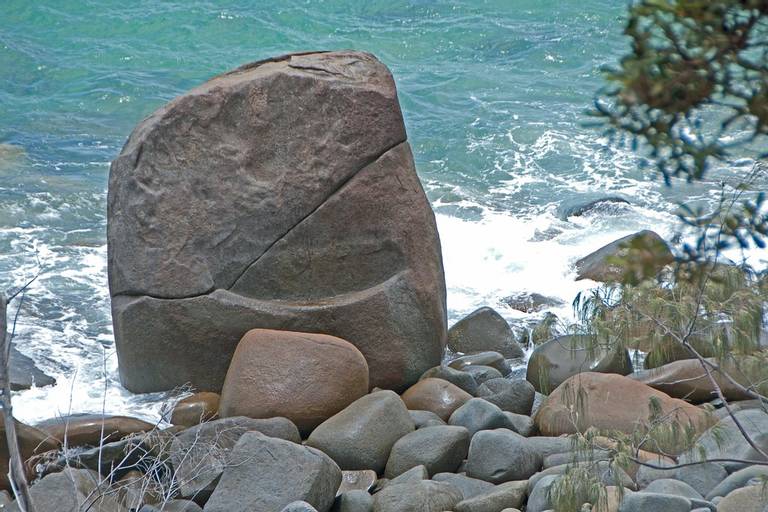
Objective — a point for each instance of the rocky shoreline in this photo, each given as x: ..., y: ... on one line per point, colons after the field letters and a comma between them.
x: 270, y: 245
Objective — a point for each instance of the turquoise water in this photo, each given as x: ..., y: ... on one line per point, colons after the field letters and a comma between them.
x: 493, y: 92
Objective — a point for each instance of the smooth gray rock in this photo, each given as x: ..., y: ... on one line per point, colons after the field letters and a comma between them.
x: 487, y: 358
x: 601, y: 469
x: 422, y: 419
x: 362, y: 435
x: 520, y: 423
x: 299, y: 506
x: 553, y: 362
x: 71, y: 490
x: 415, y: 474
x: 510, y: 395
x: 481, y: 373
x: 569, y: 457
x: 538, y: 401
x: 506, y: 495
x: 538, y: 498
x: 646, y: 502
x: 439, y: 449
x: 199, y: 454
x: 546, y: 446
x: 501, y: 455
x: 469, y: 487
x: 724, y: 440
x: 645, y: 475
x: 702, y: 477
x: 737, y: 480
x: 674, y: 487
x: 478, y: 414
x: 214, y: 196
x: 267, y: 473
x: 353, y: 501
x: 484, y: 329
x: 423, y: 496
x: 459, y: 378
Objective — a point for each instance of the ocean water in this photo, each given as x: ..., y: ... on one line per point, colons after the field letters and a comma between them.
x: 494, y: 94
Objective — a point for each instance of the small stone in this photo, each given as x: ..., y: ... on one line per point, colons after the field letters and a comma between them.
x: 422, y: 496
x: 481, y: 373
x: 501, y: 455
x: 195, y: 409
x: 362, y: 435
x: 456, y: 377
x: 439, y: 449
x: 435, y: 395
x: 479, y: 414
x: 424, y: 419
x: 510, y: 395
x: 483, y: 329
x: 487, y: 358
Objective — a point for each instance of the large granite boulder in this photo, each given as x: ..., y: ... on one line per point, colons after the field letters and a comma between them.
x: 645, y: 251
x: 553, y: 362
x: 304, y: 377
x: 484, y: 329
x: 280, y: 195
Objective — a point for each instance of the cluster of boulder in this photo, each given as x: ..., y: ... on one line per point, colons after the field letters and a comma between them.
x: 271, y: 245
x: 466, y: 437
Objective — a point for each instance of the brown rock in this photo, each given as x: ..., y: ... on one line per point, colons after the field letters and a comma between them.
x: 645, y: 250
x: 686, y: 379
x: 88, y: 429
x: 747, y: 499
x: 196, y: 409
x: 280, y: 195
x: 435, y: 395
x: 306, y: 378
x: 611, y: 402
x: 31, y: 442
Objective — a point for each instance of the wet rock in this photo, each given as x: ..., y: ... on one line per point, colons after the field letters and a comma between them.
x: 488, y: 358
x: 501, y: 455
x: 481, y: 373
x: 196, y: 409
x: 92, y: 429
x: 304, y: 377
x: 612, y: 402
x: 530, y: 302
x: 510, y: 395
x: 214, y: 196
x: 469, y: 487
x: 478, y: 414
x: 553, y: 362
x: 24, y: 373
x: 362, y: 435
x: 502, y: 496
x: 609, y: 204
x: 644, y: 246
x: 201, y: 453
x: 277, y: 473
x: 424, y: 419
x: 484, y: 329
x: 353, y: 501
x: 423, y: 496
x: 435, y: 395
x: 438, y: 449
x: 458, y: 378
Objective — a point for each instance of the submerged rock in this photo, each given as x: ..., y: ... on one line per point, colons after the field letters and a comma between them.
x: 482, y: 330
x: 304, y: 377
x: 279, y: 195
x: 609, y: 204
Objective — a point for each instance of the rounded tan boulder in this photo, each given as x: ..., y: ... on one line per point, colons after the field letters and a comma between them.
x: 612, y: 402
x: 435, y: 395
x: 196, y: 409
x: 304, y: 377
